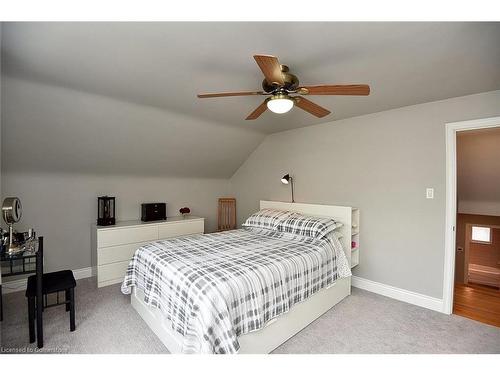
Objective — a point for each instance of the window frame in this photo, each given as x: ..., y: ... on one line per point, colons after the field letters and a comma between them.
x: 472, y: 240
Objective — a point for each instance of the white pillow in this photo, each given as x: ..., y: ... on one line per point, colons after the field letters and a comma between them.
x: 310, y: 226
x: 268, y: 218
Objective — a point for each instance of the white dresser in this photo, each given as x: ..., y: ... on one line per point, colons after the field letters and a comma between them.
x: 113, y: 246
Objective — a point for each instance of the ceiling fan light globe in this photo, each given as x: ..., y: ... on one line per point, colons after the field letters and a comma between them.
x: 280, y: 105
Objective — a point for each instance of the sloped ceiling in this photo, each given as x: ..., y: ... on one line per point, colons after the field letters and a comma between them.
x: 121, y: 97
x: 478, y: 165
x: 49, y: 128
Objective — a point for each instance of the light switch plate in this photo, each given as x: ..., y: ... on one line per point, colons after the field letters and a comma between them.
x: 429, y: 193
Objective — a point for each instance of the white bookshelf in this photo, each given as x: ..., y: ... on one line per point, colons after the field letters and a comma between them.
x: 355, y: 237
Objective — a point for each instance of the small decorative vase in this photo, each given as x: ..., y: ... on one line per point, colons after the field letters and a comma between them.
x: 185, y: 211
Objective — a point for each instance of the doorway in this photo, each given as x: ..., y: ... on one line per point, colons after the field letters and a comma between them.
x: 471, y: 258
x: 477, y: 276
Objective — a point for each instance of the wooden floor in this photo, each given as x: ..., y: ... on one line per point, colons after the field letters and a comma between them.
x: 477, y: 302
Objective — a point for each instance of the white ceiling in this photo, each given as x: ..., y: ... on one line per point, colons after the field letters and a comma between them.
x: 166, y: 64
x: 478, y: 165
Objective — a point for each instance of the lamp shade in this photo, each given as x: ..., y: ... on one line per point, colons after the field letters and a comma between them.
x: 280, y: 104
x: 285, y: 179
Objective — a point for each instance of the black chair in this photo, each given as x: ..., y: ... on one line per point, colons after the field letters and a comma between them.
x: 39, y: 286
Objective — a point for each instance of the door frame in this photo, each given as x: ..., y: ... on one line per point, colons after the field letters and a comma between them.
x: 452, y: 129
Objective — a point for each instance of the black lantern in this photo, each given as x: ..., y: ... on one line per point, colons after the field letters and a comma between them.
x: 106, y: 210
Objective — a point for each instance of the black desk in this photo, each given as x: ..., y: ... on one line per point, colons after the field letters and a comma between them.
x: 18, y: 264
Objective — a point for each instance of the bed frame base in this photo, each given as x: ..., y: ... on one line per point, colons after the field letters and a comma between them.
x: 258, y: 342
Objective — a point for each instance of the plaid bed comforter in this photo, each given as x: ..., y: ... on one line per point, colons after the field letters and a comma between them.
x: 213, y: 288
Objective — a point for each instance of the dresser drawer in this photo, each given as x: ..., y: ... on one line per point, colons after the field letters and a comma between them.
x: 112, y: 271
x: 180, y: 229
x: 119, y: 253
x: 123, y: 236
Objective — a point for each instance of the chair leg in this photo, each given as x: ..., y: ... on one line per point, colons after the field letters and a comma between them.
x: 39, y: 322
x: 72, y: 309
x: 67, y: 299
x: 1, y: 304
x: 31, y: 318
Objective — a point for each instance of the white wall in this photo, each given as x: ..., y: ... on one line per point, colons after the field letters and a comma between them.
x: 62, y: 206
x: 478, y: 172
x: 381, y: 163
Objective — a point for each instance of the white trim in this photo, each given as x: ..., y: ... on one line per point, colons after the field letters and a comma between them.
x: 404, y: 295
x: 20, y: 284
x: 83, y: 273
x: 451, y: 200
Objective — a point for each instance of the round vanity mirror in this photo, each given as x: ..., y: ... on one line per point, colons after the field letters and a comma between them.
x: 11, y: 210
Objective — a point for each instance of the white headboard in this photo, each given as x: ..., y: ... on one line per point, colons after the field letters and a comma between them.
x: 341, y: 214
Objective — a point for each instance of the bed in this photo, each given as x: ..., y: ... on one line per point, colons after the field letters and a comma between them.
x: 241, y: 291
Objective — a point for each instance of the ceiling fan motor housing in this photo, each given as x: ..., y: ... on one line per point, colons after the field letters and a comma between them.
x: 291, y: 82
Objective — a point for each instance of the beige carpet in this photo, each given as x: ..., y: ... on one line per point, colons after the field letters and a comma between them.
x: 362, y: 323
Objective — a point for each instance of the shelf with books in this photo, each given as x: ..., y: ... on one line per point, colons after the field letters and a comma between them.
x: 355, y: 237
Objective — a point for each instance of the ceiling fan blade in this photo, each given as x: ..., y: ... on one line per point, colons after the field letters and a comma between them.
x: 271, y: 68
x: 258, y: 111
x: 334, y: 90
x: 311, y: 107
x: 220, y: 94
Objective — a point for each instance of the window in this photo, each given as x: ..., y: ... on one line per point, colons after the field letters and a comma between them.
x: 481, y: 234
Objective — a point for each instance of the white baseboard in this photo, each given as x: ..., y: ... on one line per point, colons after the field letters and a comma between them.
x: 20, y: 284
x: 83, y: 273
x: 404, y: 295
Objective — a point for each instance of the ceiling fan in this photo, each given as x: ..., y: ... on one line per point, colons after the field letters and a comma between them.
x: 279, y: 85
